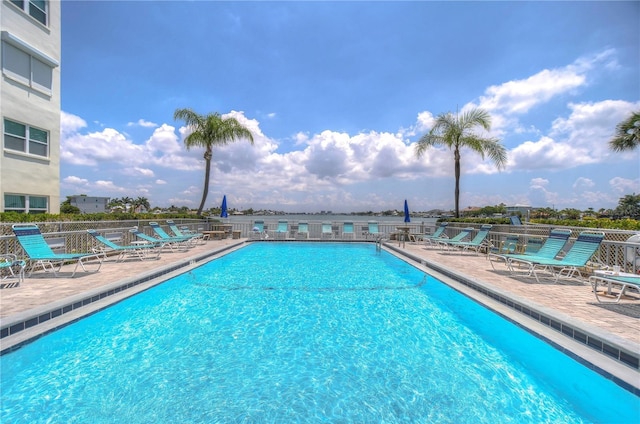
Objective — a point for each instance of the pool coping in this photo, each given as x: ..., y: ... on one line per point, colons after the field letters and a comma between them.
x: 611, y: 356
x: 24, y: 327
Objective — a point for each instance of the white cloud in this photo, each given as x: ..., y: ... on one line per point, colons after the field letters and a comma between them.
x: 520, y: 96
x: 142, y: 123
x: 583, y: 183
x: 580, y: 139
x: 137, y: 171
x: 161, y: 182
x: 70, y: 124
x: 71, y: 179
x: 109, y: 186
x: 625, y: 185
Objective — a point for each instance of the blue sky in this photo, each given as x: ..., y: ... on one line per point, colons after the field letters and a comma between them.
x: 337, y: 94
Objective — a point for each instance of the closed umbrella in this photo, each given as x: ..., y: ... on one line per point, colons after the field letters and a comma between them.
x: 407, y: 218
x: 223, y: 208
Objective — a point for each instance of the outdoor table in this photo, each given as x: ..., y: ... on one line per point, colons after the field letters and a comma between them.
x: 403, y: 235
x: 215, y: 234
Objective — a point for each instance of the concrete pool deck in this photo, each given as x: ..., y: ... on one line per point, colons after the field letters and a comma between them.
x: 38, y: 303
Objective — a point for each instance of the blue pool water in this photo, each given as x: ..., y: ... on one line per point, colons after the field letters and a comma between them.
x: 302, y: 332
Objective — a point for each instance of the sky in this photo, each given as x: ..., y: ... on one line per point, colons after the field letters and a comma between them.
x: 336, y: 95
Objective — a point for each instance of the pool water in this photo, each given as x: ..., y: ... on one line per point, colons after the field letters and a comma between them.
x: 302, y: 332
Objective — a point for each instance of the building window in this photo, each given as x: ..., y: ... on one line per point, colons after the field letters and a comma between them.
x: 37, y: 9
x: 25, y: 204
x: 26, y: 65
x: 26, y: 139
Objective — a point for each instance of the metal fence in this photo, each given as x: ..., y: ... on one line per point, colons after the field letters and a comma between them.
x: 73, y: 237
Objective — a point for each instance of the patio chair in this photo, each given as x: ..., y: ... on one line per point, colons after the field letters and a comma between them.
x: 185, y: 241
x: 282, y: 230
x: 373, y: 230
x: 437, y: 234
x: 551, y: 247
x: 160, y: 244
x: 186, y: 233
x: 11, y: 268
x: 327, y: 230
x: 577, y: 257
x: 611, y: 281
x: 40, y: 254
x: 303, y: 230
x: 463, y: 234
x: 140, y: 251
x: 258, y: 230
x: 347, y: 230
x: 478, y: 242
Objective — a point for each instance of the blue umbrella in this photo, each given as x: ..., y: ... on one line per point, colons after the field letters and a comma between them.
x: 407, y: 218
x: 223, y: 208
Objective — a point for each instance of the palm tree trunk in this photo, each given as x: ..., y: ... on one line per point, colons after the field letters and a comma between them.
x: 207, y: 173
x: 456, y: 156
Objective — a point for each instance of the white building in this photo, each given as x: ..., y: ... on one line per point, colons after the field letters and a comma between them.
x: 90, y: 204
x: 30, y: 106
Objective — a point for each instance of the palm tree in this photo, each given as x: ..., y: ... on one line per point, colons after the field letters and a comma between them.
x: 627, y: 134
x: 208, y: 131
x: 456, y: 132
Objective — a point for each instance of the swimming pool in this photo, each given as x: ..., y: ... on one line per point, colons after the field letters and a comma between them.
x: 302, y: 332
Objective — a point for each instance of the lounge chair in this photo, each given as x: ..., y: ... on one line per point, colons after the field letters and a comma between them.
x: 439, y: 233
x: 11, y: 268
x: 303, y: 230
x: 611, y: 281
x: 282, y: 230
x: 40, y: 254
x: 184, y: 241
x: 552, y: 246
x: 577, y: 257
x: 258, y: 230
x: 373, y: 230
x: 515, y: 220
x: 347, y: 230
x: 463, y: 234
x: 186, y: 233
x: 160, y: 244
x: 478, y: 242
x: 140, y: 251
x: 327, y: 230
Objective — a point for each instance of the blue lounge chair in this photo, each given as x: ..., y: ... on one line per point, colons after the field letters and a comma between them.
x: 373, y: 230
x: 461, y: 236
x: 160, y: 244
x: 303, y: 230
x: 621, y: 282
x: 11, y: 268
x: 183, y: 241
x: 327, y: 230
x: 577, y: 257
x: 40, y: 254
x: 258, y: 230
x: 439, y: 233
x: 140, y: 251
x: 347, y: 230
x: 478, y: 242
x: 282, y: 230
x: 178, y: 233
x: 552, y: 246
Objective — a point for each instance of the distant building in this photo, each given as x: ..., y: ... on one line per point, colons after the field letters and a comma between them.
x: 30, y: 107
x: 89, y: 204
x: 522, y: 210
